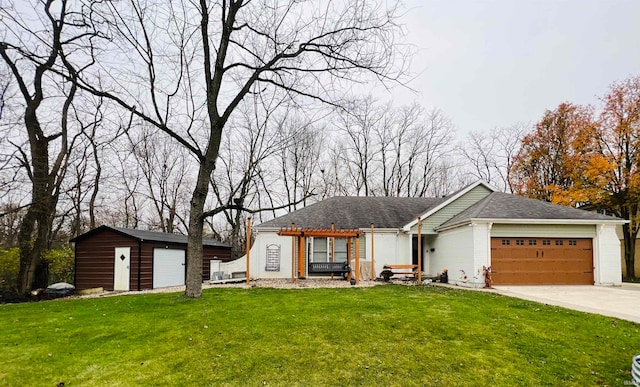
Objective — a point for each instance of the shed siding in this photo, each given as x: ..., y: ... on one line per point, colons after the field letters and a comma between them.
x: 95, y: 260
x: 454, y: 208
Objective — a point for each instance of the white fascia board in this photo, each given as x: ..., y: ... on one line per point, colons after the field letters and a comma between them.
x: 432, y: 211
x: 266, y: 229
x: 366, y: 230
x: 381, y: 230
x: 536, y: 221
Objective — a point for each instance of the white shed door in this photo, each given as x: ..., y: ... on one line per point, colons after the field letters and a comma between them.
x: 121, y: 268
x: 168, y: 267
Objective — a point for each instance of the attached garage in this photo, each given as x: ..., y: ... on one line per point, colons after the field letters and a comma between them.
x: 122, y: 259
x: 528, y: 242
x: 542, y: 261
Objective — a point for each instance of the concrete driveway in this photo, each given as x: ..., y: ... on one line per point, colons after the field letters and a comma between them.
x: 621, y: 302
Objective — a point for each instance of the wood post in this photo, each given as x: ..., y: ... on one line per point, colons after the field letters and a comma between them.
x: 248, y: 249
x: 333, y: 243
x: 419, y: 251
x: 349, y: 257
x: 373, y: 262
x: 301, y: 247
x: 357, y: 260
x: 293, y: 254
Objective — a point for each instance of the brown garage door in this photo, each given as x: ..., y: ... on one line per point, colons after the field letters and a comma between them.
x: 541, y: 261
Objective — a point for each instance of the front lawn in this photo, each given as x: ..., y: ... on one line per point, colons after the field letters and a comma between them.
x: 384, y: 335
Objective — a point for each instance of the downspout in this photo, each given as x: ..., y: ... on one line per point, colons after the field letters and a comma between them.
x: 139, y: 262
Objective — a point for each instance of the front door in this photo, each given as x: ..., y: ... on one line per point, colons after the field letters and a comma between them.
x: 414, y: 250
x: 121, y: 271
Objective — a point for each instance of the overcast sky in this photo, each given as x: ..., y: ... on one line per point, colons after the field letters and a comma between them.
x: 493, y: 63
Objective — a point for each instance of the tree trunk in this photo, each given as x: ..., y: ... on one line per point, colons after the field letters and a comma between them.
x: 196, y: 220
x: 32, y: 247
x: 43, y: 205
x: 629, y: 251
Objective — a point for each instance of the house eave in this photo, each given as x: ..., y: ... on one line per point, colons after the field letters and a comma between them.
x: 586, y: 222
x: 363, y: 229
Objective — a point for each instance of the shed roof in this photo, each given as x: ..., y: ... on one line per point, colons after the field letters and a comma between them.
x: 142, y: 235
x: 499, y: 205
x: 355, y: 212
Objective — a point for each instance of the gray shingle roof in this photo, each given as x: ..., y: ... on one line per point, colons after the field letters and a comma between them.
x: 349, y: 212
x: 143, y: 235
x: 499, y: 205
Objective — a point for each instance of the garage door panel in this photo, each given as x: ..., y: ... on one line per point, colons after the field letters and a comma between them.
x: 541, y: 261
x: 168, y: 268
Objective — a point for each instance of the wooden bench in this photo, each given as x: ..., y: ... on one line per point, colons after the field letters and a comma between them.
x: 329, y: 268
x: 391, y: 270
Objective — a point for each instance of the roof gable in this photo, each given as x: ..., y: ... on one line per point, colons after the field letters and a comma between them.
x: 474, y: 193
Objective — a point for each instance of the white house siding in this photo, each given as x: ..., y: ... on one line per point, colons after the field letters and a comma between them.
x: 258, y: 258
x: 404, y: 249
x: 452, y: 209
x: 481, y: 250
x: 543, y: 230
x: 608, y: 267
x: 454, y: 250
x: 386, y: 249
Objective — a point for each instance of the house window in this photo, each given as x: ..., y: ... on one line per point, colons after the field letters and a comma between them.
x: 546, y: 242
x: 573, y: 242
x: 520, y: 242
x: 533, y: 242
x: 320, y: 251
x: 506, y: 242
x: 273, y: 258
x: 559, y: 242
x: 340, y: 249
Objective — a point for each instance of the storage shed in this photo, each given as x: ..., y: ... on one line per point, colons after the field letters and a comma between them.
x: 122, y: 259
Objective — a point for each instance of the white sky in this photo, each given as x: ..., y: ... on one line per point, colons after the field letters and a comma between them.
x: 493, y: 63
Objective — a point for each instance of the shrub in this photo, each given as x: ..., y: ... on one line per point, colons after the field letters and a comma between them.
x: 9, y: 267
x: 61, y: 264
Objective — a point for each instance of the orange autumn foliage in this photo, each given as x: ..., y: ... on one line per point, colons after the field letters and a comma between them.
x: 548, y: 166
x: 572, y: 158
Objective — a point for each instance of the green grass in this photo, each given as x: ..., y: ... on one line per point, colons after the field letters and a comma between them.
x: 385, y: 335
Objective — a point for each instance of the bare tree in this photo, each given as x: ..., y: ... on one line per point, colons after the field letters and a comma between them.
x: 39, y: 46
x: 164, y: 170
x: 358, y: 123
x: 388, y: 151
x: 491, y: 154
x: 299, y: 160
x: 193, y: 63
x: 422, y: 142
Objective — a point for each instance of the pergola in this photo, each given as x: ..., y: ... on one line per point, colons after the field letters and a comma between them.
x: 299, y: 236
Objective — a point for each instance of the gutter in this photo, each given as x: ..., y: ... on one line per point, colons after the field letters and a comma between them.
x: 586, y: 222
